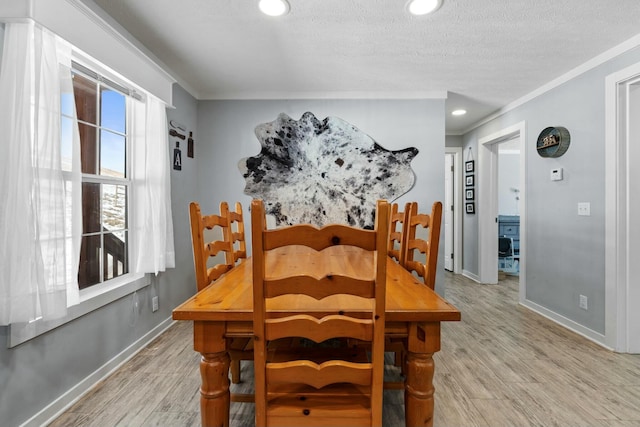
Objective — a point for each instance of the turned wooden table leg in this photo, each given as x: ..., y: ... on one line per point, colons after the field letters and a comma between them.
x: 214, y: 370
x: 424, y: 340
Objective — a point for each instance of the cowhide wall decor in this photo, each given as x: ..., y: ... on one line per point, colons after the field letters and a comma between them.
x: 324, y: 172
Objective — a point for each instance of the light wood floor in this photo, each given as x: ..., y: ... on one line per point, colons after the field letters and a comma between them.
x: 502, y: 365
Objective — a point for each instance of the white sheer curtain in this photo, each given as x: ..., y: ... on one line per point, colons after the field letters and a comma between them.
x: 39, y: 251
x: 152, y: 221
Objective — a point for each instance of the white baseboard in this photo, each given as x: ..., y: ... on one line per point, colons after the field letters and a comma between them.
x: 471, y: 276
x: 589, y: 334
x: 62, y: 403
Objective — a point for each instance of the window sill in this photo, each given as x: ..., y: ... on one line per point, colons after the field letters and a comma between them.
x: 90, y: 300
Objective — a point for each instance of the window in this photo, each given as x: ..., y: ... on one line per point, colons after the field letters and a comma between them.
x: 89, y: 172
x: 101, y: 108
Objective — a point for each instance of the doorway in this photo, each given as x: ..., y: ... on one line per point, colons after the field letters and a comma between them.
x: 509, y: 208
x: 622, y: 230
x: 488, y: 164
x: 452, y: 210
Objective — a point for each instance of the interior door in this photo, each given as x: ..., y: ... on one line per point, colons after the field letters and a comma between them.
x: 633, y: 255
x: 448, y: 212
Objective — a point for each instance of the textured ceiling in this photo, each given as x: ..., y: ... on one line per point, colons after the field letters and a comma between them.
x: 485, y: 54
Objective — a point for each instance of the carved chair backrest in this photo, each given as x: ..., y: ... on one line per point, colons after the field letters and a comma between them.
x: 396, y: 230
x: 205, y: 248
x: 429, y: 247
x: 321, y: 279
x: 236, y: 233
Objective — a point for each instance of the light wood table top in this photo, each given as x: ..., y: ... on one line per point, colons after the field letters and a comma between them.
x: 231, y: 297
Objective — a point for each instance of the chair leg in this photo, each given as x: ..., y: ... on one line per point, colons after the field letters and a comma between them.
x: 398, y: 359
x: 234, y: 367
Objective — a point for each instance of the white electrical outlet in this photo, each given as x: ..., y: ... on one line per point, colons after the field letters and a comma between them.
x: 154, y: 304
x: 584, y: 209
x: 584, y: 302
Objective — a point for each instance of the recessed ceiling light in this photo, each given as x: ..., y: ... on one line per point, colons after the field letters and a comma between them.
x: 423, y: 7
x: 274, y: 7
x: 458, y: 112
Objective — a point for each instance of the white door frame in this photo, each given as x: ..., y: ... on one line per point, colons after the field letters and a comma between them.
x: 488, y: 204
x: 619, y: 269
x: 457, y: 206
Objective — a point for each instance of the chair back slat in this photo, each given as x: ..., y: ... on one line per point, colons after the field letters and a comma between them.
x: 319, y: 330
x: 319, y: 376
x: 320, y: 238
x: 319, y: 288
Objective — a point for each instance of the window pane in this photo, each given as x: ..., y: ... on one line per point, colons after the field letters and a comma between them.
x: 112, y: 154
x: 90, y: 208
x: 66, y: 103
x: 112, y: 110
x: 114, y: 207
x: 86, y: 95
x: 88, y: 147
x: 115, y: 254
x: 66, y: 141
x: 89, y: 271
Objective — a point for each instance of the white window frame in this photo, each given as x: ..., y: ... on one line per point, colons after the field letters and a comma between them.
x: 99, y: 295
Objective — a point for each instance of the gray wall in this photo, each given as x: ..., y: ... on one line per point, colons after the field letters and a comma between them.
x: 453, y: 141
x: 564, y: 252
x: 226, y: 135
x: 35, y: 373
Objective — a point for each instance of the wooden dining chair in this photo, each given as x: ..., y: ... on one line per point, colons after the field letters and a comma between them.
x: 427, y: 270
x: 206, y: 247
x: 427, y: 247
x: 397, y: 219
x: 396, y: 228
x: 239, y: 348
x: 316, y: 385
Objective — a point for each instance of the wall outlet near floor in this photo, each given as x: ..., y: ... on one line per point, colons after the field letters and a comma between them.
x: 154, y: 303
x: 584, y: 209
x: 584, y: 302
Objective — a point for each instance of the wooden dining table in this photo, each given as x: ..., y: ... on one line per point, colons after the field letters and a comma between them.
x: 223, y: 311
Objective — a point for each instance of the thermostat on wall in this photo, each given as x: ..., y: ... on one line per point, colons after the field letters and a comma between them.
x: 556, y: 174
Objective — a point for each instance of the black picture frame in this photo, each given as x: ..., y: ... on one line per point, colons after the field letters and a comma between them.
x: 469, y: 166
x: 469, y: 194
x: 470, y: 208
x: 469, y: 180
x: 177, y: 159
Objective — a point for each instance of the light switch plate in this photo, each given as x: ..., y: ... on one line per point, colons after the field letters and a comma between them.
x: 584, y: 209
